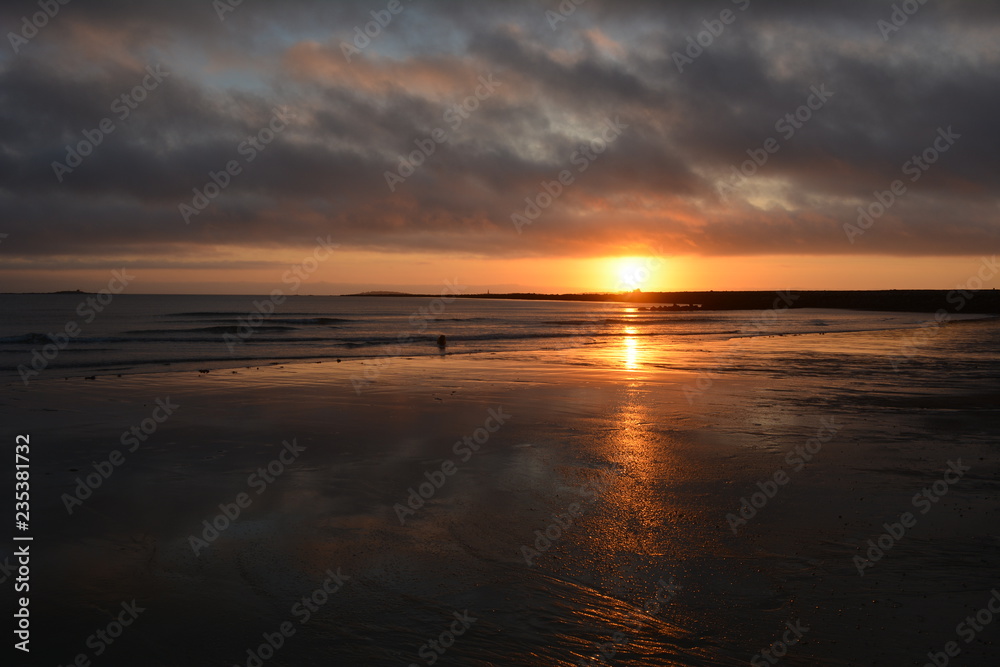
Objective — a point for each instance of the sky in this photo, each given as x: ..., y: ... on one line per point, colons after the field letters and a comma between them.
x: 211, y: 147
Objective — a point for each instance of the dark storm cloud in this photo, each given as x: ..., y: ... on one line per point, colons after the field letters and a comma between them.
x: 660, y: 185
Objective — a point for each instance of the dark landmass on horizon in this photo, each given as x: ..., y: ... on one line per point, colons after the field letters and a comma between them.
x: 62, y: 291
x: 976, y: 302
x: 979, y: 302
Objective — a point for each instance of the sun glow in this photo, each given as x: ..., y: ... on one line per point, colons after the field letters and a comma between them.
x: 631, y: 273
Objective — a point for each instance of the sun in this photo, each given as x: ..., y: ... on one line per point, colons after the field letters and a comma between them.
x: 632, y: 273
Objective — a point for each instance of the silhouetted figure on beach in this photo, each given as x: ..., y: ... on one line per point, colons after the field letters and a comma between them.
x: 442, y: 341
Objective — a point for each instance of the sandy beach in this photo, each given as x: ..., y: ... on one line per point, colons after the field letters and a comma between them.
x: 573, y: 506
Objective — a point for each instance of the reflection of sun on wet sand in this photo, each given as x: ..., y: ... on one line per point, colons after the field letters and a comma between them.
x: 613, y: 418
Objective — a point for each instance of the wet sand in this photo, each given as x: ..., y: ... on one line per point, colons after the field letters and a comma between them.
x: 630, y: 472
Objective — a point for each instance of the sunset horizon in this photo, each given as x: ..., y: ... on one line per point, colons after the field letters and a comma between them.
x: 596, y: 275
x: 534, y: 333
x: 529, y: 151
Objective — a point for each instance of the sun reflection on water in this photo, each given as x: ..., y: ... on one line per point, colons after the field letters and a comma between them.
x: 631, y: 347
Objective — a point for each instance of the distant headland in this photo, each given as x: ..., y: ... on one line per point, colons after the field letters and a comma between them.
x: 915, y: 301
x: 65, y: 291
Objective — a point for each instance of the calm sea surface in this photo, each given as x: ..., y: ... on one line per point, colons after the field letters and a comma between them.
x: 161, y: 332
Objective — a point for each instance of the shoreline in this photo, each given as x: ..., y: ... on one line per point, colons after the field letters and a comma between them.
x: 205, y: 365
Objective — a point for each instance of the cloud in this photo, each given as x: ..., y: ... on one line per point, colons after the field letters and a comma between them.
x: 657, y: 185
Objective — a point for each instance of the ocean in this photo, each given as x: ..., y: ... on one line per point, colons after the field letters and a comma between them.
x: 69, y: 335
x: 578, y: 482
